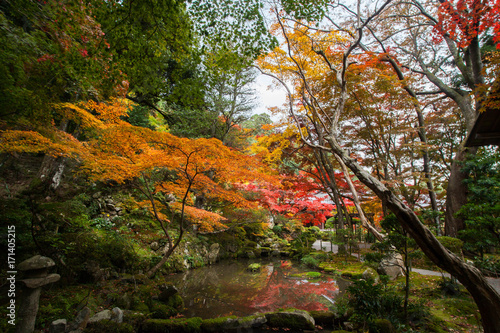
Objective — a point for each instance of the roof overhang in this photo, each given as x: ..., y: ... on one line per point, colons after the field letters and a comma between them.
x: 486, y: 130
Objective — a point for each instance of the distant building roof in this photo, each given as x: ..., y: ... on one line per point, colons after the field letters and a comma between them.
x: 486, y: 130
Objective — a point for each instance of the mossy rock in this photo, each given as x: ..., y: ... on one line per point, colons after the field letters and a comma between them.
x: 255, y: 267
x: 162, y: 311
x: 285, y: 253
x: 133, y: 318
x: 175, y: 301
x: 265, y: 251
x: 292, y: 319
x: 179, y: 325
x: 139, y: 305
x: 217, y: 324
x: 323, y: 318
x: 381, y: 326
x: 250, y: 244
x: 108, y: 326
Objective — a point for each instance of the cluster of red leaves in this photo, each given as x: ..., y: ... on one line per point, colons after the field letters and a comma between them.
x: 464, y: 20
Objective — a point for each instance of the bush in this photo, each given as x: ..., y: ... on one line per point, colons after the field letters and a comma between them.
x: 310, y: 261
x: 374, y: 257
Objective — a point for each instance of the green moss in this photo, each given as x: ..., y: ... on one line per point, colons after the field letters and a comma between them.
x: 134, y: 318
x: 162, y: 311
x: 176, y: 302
x: 255, y: 267
x: 381, y: 326
x: 108, y: 326
x: 180, y: 325
x: 290, y: 318
x: 216, y: 324
x: 307, y: 275
x: 323, y: 317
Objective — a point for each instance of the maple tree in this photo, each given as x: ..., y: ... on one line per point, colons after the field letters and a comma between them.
x: 119, y: 152
x: 330, y: 51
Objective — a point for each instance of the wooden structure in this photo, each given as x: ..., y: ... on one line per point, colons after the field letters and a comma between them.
x: 486, y: 130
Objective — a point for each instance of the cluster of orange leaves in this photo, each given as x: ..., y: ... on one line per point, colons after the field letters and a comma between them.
x: 117, y: 151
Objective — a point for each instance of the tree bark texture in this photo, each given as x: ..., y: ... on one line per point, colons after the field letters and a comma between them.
x: 485, y: 296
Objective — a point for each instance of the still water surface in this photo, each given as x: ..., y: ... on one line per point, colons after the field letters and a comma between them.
x: 228, y: 288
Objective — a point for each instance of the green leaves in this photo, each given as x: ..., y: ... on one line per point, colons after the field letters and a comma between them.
x: 236, y: 25
x: 482, y: 211
x: 310, y: 10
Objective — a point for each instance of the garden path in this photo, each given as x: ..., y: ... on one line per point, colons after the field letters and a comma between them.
x: 329, y: 247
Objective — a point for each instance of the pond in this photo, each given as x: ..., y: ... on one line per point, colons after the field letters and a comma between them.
x: 229, y: 288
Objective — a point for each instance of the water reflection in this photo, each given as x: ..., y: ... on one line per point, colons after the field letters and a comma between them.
x: 228, y: 288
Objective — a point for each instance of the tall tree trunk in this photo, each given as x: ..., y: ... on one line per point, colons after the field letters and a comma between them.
x: 52, y: 168
x: 456, y: 193
x: 485, y: 296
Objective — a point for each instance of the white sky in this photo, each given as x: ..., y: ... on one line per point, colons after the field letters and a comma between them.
x: 267, y: 96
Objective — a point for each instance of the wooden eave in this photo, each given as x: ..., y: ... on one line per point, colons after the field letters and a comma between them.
x: 486, y: 130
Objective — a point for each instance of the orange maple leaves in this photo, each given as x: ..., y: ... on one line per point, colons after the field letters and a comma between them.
x: 114, y: 150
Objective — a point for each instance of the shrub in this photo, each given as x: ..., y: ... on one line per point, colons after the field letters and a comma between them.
x: 310, y: 261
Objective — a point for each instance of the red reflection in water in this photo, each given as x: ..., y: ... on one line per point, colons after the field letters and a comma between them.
x: 282, y: 291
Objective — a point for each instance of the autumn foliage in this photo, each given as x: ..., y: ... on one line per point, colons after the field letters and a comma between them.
x: 464, y: 20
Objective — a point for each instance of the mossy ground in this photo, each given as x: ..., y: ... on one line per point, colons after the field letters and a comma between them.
x: 447, y: 313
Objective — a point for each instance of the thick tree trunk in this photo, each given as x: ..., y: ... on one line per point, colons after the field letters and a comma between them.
x: 485, y: 296
x: 456, y: 193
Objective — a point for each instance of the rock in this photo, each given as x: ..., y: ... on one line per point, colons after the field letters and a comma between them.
x: 40, y: 282
x: 154, y: 246
x: 292, y: 319
x: 275, y: 253
x: 252, y: 321
x: 81, y: 320
x: 36, y: 262
x: 232, y: 248
x: 370, y: 274
x: 392, y: 266
x: 58, y: 326
x: 124, y: 301
x: 213, y: 253
x: 167, y: 291
x: 231, y: 324
x: 117, y: 315
x: 103, y: 315
x: 250, y: 255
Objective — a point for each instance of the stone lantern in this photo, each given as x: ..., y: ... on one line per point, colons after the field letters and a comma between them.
x: 35, y: 277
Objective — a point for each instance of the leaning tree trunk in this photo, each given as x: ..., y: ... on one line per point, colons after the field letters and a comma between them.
x: 364, y: 221
x: 485, y: 296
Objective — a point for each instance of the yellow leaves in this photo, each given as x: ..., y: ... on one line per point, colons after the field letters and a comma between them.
x: 63, y: 144
x: 110, y: 111
x: 79, y: 115
x: 270, y: 147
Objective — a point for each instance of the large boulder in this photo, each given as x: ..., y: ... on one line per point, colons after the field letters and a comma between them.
x: 81, y: 320
x: 370, y: 274
x: 213, y: 253
x: 99, y: 316
x: 392, y: 266
x: 292, y: 319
